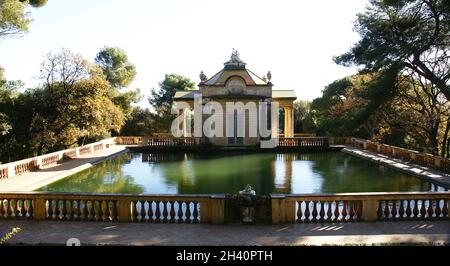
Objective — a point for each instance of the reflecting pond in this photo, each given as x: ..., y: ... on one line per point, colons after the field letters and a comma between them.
x: 199, y: 173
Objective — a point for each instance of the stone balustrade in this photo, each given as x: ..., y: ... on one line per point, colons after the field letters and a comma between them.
x: 158, y: 141
x: 170, y: 141
x: 299, y: 135
x: 353, y: 207
x: 303, y: 142
x: 19, y: 167
x: 126, y: 140
x: 210, y: 209
x: 113, y: 208
x: 423, y: 159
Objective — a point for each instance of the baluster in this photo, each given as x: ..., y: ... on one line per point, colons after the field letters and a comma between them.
x: 2, y: 209
x: 85, y: 210
x: 358, y: 210
x: 135, y: 211
x: 180, y: 212
x: 299, y: 212
x: 188, y: 212
x: 386, y: 210
x: 423, y: 211
x: 157, y: 212
x: 50, y: 208
x: 92, y: 211
x: 97, y: 210
x: 142, y: 212
x: 172, y: 211
x: 416, y: 209
x: 195, y: 214
x: 352, y: 211
x: 401, y: 210
x: 307, y: 211
x: 57, y: 210
x: 150, y: 212
x: 445, y: 209
x: 20, y: 209
x: 77, y: 211
x: 86, y: 213
x: 322, y: 211
x: 100, y: 212
x: 344, y: 211
x: 430, y: 209
x: 329, y: 213
x: 336, y: 210
x: 165, y: 213
x: 408, y: 209
x: 107, y: 212
x: 15, y: 208
x: 437, y: 210
x: 394, y: 210
x: 23, y: 210
x: 314, y: 212
x: 114, y: 211
x: 380, y: 210
x: 64, y: 209
x: 30, y: 210
x: 71, y: 210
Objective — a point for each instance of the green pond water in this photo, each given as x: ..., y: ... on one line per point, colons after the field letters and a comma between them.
x: 289, y: 173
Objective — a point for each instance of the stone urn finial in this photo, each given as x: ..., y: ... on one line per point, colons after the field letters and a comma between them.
x: 269, y: 76
x: 203, y: 77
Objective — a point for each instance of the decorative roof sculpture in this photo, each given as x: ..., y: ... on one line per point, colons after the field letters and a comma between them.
x: 203, y: 77
x: 235, y: 61
x: 235, y: 56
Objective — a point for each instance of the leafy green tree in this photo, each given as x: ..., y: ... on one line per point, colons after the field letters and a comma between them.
x: 8, y: 92
x: 420, y: 110
x: 162, y: 99
x: 120, y: 73
x: 115, y: 65
x: 404, y: 34
x: 342, y: 109
x: 142, y: 122
x: 14, y: 19
x: 35, y: 3
x: 303, y: 118
x: 416, y: 116
x: 72, y: 105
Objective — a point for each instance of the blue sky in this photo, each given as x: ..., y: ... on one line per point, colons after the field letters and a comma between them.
x: 295, y: 40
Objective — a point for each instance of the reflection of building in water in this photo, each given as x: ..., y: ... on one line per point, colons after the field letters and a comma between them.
x: 282, y: 171
x: 164, y: 157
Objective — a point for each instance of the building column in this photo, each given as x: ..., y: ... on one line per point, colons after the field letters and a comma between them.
x: 292, y: 122
x: 288, y: 128
x: 288, y: 171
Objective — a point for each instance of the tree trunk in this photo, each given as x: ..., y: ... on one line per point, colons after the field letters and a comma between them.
x: 445, y: 141
x: 428, y: 74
